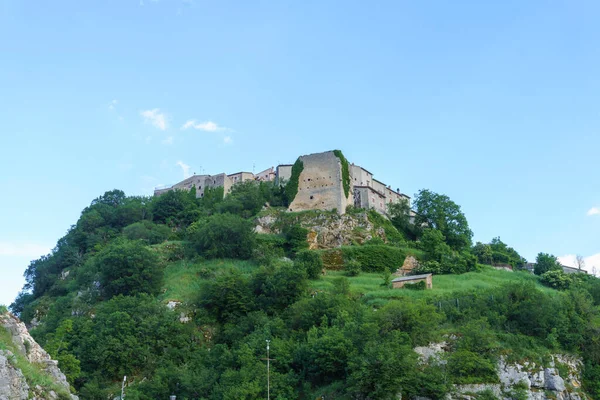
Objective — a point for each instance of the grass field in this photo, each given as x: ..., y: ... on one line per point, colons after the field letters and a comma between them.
x: 369, y: 284
x: 183, y: 280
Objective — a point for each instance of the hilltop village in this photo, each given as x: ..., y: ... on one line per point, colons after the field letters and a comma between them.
x: 325, y: 181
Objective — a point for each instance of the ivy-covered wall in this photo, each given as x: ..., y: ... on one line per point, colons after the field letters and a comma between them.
x: 345, y: 171
x: 291, y: 188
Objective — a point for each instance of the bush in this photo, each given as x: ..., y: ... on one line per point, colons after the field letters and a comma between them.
x: 556, y: 279
x: 375, y: 258
x: 352, y: 268
x: 467, y: 367
x: 148, y: 231
x: 310, y: 262
x: 129, y: 268
x: 223, y: 236
x: 268, y: 248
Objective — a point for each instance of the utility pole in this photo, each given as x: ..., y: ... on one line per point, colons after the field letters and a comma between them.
x: 268, y: 371
x: 123, y: 387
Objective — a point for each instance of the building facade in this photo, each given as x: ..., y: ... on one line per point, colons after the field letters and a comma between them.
x: 320, y: 185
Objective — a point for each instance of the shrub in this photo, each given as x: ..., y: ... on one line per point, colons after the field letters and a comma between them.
x: 311, y: 262
x: 148, y: 231
x: 556, y: 279
x: 352, y: 268
x: 268, y: 247
x: 223, y: 236
x: 129, y: 268
x: 467, y: 367
x: 376, y: 258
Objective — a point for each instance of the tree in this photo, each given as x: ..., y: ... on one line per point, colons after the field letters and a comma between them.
x: 400, y: 216
x: 223, y: 236
x: 580, y: 262
x: 310, y: 262
x: 439, y: 212
x: 483, y: 252
x: 545, y: 262
x: 129, y: 268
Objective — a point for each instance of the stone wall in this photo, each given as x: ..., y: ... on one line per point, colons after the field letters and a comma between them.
x: 320, y: 184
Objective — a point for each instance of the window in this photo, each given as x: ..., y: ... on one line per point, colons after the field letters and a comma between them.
x: 312, y: 197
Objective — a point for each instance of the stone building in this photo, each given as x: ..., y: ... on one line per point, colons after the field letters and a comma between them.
x: 412, y: 279
x: 320, y: 185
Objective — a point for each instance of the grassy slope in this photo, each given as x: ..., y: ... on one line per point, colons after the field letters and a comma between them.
x: 369, y: 284
x: 183, y: 280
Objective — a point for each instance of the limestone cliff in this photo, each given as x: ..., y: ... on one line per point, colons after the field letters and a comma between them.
x: 26, y: 370
x: 519, y: 380
x: 326, y: 230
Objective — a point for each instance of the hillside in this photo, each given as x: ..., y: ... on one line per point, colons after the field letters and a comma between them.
x: 180, y: 295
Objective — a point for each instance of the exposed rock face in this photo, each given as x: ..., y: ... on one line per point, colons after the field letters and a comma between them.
x: 328, y: 230
x: 11, y: 379
x: 542, y: 383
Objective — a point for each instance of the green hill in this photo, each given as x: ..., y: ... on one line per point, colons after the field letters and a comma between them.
x: 180, y: 295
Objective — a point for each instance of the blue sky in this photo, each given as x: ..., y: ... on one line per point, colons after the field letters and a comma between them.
x: 495, y: 104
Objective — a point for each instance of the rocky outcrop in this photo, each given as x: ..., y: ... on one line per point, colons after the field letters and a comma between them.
x: 326, y: 230
x: 13, y: 384
x: 536, y: 382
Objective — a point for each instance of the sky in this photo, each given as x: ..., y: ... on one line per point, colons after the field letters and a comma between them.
x: 495, y: 104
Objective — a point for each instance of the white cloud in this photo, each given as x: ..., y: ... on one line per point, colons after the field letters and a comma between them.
x: 593, y: 211
x: 207, y: 126
x: 227, y: 140
x: 32, y: 250
x: 590, y: 262
x: 156, y: 118
x: 184, y: 168
x: 168, y: 140
x: 113, y: 104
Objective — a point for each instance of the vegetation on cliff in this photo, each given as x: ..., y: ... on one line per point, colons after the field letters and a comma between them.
x: 291, y: 188
x: 345, y: 171
x: 180, y: 294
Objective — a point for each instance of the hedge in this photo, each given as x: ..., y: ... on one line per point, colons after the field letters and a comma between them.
x: 373, y: 258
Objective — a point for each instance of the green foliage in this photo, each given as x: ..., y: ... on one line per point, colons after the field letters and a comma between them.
x: 146, y: 230
x: 296, y: 238
x: 439, y: 212
x: 545, y: 262
x: 440, y: 257
x: 128, y: 268
x: 176, y: 208
x: 223, y: 236
x: 391, y: 233
x: 3, y: 309
x: 466, y: 367
x: 556, y: 279
x: 375, y: 258
x: 400, y: 217
x: 310, y: 262
x: 352, y: 267
x: 486, y: 394
x: 291, y: 188
x: 418, y: 319
x: 503, y: 254
x: 345, y: 172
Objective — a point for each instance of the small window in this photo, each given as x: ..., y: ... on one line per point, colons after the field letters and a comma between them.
x: 312, y: 197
